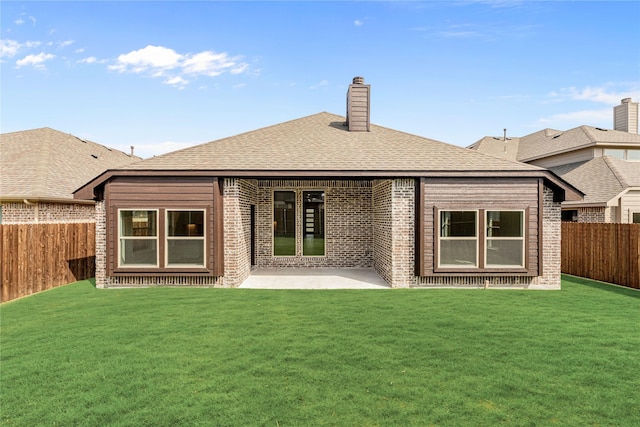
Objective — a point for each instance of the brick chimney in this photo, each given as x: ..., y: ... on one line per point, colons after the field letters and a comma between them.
x: 358, y: 106
x: 625, y: 116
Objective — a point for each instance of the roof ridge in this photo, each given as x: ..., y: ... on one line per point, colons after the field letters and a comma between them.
x: 616, y: 171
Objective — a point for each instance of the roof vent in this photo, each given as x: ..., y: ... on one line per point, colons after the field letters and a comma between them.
x: 358, y: 106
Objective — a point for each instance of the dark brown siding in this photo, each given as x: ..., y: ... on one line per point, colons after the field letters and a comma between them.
x: 479, y: 193
x: 163, y: 193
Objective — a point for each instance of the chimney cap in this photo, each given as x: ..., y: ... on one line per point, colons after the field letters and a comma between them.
x: 626, y: 100
x: 358, y: 80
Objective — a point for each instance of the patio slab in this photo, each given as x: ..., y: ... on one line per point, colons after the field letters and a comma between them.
x: 314, y: 278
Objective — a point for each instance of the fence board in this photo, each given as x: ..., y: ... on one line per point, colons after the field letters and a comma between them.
x: 37, y: 257
x: 606, y: 252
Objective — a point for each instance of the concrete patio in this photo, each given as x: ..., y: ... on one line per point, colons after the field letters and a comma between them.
x: 314, y: 278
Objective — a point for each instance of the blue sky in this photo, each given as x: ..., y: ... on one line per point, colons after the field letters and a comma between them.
x: 166, y: 75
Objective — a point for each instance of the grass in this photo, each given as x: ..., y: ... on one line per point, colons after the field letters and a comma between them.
x: 76, y: 355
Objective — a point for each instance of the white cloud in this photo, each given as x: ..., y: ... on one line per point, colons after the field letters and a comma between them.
x: 148, y: 58
x: 176, y: 81
x: 89, y: 60
x: 37, y: 61
x: 33, y: 20
x: 358, y: 23
x: 577, y: 118
x: 9, y: 48
x: 321, y: 83
x: 607, y: 94
x: 163, y: 62
x: 19, y: 21
x: 66, y: 43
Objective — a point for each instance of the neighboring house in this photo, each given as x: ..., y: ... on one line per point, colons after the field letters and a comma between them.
x: 604, y: 164
x: 41, y: 168
x: 324, y: 191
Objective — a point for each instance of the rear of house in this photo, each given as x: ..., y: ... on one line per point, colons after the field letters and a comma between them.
x: 326, y: 191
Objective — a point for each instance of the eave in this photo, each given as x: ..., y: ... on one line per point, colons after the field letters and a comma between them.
x: 563, y: 190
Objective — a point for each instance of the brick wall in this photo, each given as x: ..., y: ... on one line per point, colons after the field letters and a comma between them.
x: 394, y: 231
x: 592, y: 215
x: 382, y: 191
x: 348, y: 224
x: 51, y: 213
x: 239, y: 195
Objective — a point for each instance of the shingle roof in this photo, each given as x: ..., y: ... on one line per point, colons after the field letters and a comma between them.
x: 48, y: 164
x: 547, y: 142
x: 320, y: 142
x: 499, y: 147
x: 602, y: 178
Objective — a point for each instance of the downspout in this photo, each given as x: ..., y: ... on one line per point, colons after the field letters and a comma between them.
x: 36, y: 209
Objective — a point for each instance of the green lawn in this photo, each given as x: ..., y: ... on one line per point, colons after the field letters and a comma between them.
x: 165, y: 357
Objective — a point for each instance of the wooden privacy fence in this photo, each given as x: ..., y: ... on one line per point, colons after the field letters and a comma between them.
x: 37, y: 257
x: 606, y: 252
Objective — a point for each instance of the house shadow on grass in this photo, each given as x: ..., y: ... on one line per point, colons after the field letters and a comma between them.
x: 82, y: 268
x: 618, y: 289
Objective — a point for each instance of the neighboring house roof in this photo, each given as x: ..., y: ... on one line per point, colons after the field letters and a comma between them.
x: 548, y: 142
x: 321, y: 145
x: 499, y: 147
x: 48, y: 165
x: 602, y: 179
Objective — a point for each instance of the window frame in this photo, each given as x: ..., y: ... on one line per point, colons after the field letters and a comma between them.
x: 523, y: 225
x: 167, y: 238
x: 299, y: 221
x: 161, y: 268
x: 120, y: 238
x: 439, y: 237
x: 481, y: 250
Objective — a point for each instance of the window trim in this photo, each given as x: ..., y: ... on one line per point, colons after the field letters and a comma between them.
x: 203, y: 238
x: 481, y: 266
x: 161, y: 269
x: 120, y: 238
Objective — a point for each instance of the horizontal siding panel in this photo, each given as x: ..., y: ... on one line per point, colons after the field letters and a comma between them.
x: 487, y: 194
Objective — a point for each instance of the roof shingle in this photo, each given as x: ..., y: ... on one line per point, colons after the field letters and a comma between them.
x: 48, y: 164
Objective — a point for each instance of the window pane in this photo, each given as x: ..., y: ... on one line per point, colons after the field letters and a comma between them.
x: 138, y: 223
x: 189, y: 252
x: 505, y: 224
x: 313, y: 223
x: 505, y: 253
x: 636, y: 218
x: 461, y: 253
x: 458, y: 224
x: 284, y: 223
x: 185, y: 223
x: 614, y: 152
x: 633, y: 154
x: 138, y: 252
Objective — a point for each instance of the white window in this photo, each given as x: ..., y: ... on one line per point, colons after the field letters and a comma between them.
x: 458, y: 239
x: 185, y: 245
x: 481, y: 239
x: 138, y: 238
x: 504, y: 239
